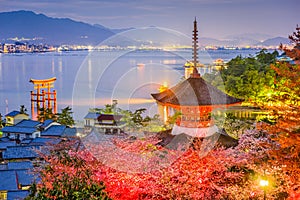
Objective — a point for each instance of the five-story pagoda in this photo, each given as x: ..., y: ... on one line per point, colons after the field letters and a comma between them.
x: 195, y: 99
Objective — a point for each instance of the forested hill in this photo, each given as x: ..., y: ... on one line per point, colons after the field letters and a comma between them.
x: 42, y: 29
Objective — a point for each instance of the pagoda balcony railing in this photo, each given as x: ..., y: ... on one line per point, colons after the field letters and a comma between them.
x: 195, y: 123
x: 114, y: 125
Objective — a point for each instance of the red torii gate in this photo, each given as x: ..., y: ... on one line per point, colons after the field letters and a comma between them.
x: 41, y: 98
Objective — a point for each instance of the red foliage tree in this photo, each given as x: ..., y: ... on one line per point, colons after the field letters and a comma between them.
x: 283, y: 105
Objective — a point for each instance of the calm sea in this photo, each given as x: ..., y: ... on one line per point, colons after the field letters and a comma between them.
x: 92, y: 79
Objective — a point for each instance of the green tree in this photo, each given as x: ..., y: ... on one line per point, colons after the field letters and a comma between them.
x: 172, y: 119
x: 23, y: 109
x: 2, y: 123
x: 108, y: 109
x: 246, y: 78
x: 65, y: 117
x: 134, y: 120
x: 266, y: 59
x: 137, y: 117
x: 283, y: 104
x: 46, y: 113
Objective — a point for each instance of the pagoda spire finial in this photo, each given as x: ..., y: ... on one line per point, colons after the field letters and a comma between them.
x: 195, y: 73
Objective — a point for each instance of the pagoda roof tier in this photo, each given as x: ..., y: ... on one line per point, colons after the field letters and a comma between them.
x: 194, y: 91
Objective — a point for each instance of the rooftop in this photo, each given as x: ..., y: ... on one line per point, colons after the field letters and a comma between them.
x: 13, y: 113
x: 3, y: 167
x: 194, y: 92
x: 8, y: 180
x: 20, y: 152
x: 92, y: 115
x: 19, y: 165
x: 17, y: 129
x: 25, y: 177
x: 109, y: 117
x: 55, y: 130
x: 28, y: 123
x: 19, y: 194
x: 70, y: 132
x: 46, y: 123
x: 4, y: 145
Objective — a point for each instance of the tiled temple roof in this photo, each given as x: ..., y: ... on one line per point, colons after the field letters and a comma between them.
x: 194, y: 92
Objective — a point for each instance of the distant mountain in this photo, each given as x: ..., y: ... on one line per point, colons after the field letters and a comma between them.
x: 205, y: 41
x: 27, y: 26
x: 249, y: 37
x: 119, y: 30
x: 227, y: 42
x: 276, y: 41
x: 242, y: 42
x: 40, y: 28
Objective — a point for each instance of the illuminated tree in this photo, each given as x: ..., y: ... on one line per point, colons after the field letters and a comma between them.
x: 283, y: 107
x: 245, y: 78
x: 66, y: 175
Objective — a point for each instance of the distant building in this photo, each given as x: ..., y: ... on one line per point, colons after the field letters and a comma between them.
x: 91, y: 119
x: 15, y: 117
x: 110, y: 124
x: 284, y: 58
x: 189, y: 68
x: 219, y: 64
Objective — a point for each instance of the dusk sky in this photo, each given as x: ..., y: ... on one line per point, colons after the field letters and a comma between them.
x: 216, y: 18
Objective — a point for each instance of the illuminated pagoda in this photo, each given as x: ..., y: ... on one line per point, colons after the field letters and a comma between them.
x: 43, y: 97
x: 194, y: 99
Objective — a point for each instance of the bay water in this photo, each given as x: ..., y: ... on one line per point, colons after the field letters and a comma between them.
x: 89, y: 79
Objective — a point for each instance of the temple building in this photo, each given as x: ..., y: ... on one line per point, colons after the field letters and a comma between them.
x: 194, y: 99
x: 110, y: 124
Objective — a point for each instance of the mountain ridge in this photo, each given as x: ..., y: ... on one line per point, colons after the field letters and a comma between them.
x: 39, y: 28
x: 49, y: 30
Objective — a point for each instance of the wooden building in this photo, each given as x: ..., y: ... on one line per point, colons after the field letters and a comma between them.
x: 194, y: 99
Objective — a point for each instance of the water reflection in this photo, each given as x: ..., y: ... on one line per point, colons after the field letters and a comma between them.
x: 0, y: 68
x: 53, y: 66
x: 92, y: 80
